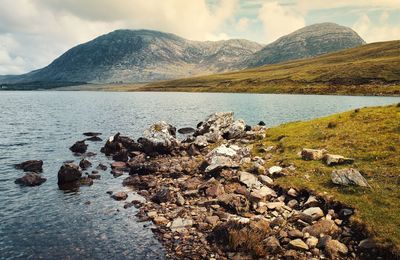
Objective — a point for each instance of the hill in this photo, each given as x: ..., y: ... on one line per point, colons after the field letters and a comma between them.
x: 372, y: 69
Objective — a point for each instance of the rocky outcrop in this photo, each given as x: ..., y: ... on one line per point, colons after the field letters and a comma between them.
x: 159, y: 138
x: 79, y: 147
x: 69, y: 173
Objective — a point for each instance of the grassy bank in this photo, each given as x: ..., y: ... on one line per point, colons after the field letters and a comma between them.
x: 372, y: 137
x: 372, y: 69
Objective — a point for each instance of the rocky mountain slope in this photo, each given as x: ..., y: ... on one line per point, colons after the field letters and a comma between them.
x: 307, y: 42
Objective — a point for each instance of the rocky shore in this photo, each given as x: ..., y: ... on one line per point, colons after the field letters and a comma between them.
x: 210, y: 197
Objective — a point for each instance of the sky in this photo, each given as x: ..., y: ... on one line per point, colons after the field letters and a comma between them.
x: 35, y: 32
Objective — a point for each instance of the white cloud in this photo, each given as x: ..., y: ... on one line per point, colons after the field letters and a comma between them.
x: 376, y: 32
x: 279, y: 20
x: 243, y: 24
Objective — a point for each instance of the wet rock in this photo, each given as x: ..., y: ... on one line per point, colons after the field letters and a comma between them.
x: 348, y: 176
x: 31, y: 166
x: 79, y: 147
x: 94, y: 176
x: 86, y: 181
x: 159, y: 138
x: 120, y: 166
x: 143, y: 168
x: 162, y: 195
x: 117, y: 142
x: 116, y: 173
x: 323, y: 226
x: 94, y: 139
x: 179, y: 224
x: 121, y: 156
x: 30, y: 179
x: 84, y: 164
x: 314, y: 212
x: 91, y: 134
x: 186, y: 130
x: 235, y: 130
x: 120, y: 195
x: 68, y: 173
x: 334, y: 159
x: 334, y: 249
x: 298, y: 244
x: 312, y: 154
x: 101, y: 167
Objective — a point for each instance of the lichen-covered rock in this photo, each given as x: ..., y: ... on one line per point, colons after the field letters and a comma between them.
x: 348, y: 176
x: 235, y: 130
x: 159, y: 138
x: 216, y: 123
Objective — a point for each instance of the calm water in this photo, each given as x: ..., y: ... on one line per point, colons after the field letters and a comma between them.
x: 44, y: 222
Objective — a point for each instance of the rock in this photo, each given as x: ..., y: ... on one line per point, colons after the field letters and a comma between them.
x: 348, y: 176
x: 333, y: 159
x: 234, y: 202
x: 261, y: 123
x: 334, y: 249
x: 216, y: 123
x: 116, y: 173
x: 121, y: 156
x: 312, y: 154
x: 180, y: 201
x: 315, y: 213
x: 120, y: 195
x: 94, y: 139
x: 367, y: 244
x: 272, y: 244
x: 86, y: 181
x: 79, y: 147
x: 274, y: 205
x: 162, y: 195
x: 312, y: 242
x: 30, y: 179
x: 292, y: 192
x: 68, y: 173
x: 160, y: 221
x: 143, y: 168
x: 323, y: 226
x: 250, y: 180
x: 120, y: 166
x: 193, y: 150
x: 212, y: 220
x: 266, y: 180
x: 186, y: 130
x: 31, y: 166
x: 298, y: 244
x: 295, y: 233
x: 222, y: 150
x: 159, y: 138
x: 84, y: 164
x: 235, y: 130
x: 292, y: 203
x: 91, y: 134
x: 101, y: 167
x: 311, y: 201
x: 94, y: 176
x: 200, y: 141
x: 179, y: 224
x: 274, y: 170
x: 258, y: 168
x: 214, y: 189
x: 220, y: 162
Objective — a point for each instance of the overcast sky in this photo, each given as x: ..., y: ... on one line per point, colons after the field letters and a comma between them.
x: 35, y: 32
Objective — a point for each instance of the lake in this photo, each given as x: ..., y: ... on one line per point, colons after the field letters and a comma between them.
x: 45, y: 222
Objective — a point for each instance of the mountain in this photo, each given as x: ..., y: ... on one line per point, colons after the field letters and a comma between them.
x: 141, y: 56
x: 310, y: 41
x: 146, y: 56
x: 371, y: 69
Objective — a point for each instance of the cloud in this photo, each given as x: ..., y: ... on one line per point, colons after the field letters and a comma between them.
x: 279, y: 20
x: 376, y: 32
x: 243, y: 24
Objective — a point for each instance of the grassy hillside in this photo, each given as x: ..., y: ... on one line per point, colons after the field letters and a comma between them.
x: 372, y: 137
x: 372, y: 69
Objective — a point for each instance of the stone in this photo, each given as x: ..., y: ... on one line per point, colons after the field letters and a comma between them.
x: 258, y: 168
x: 79, y: 147
x: 220, y: 162
x: 272, y: 244
x: 162, y: 195
x: 160, y: 221
x: 86, y: 181
x: 315, y: 213
x: 120, y: 195
x: 94, y: 139
x: 121, y: 156
x: 69, y: 172
x: 159, y: 138
x: 264, y: 179
x: 292, y: 203
x: 348, y: 176
x: 216, y: 123
x: 85, y: 164
x: 180, y: 200
x: 30, y: 179
x: 295, y: 233
x: 234, y: 202
x: 95, y: 176
x: 312, y: 154
x: 235, y: 130
x: 179, y: 224
x: 143, y: 168
x: 334, y: 249
x: 274, y: 170
x: 212, y: 220
x: 101, y: 167
x: 250, y: 180
x: 214, y: 189
x: 120, y: 166
x: 275, y: 205
x: 261, y: 123
x: 186, y: 130
x: 292, y: 192
x: 312, y: 242
x: 323, y: 226
x: 200, y: 141
x: 298, y: 244
x: 311, y: 201
x: 31, y: 166
x: 334, y: 159
x: 367, y: 244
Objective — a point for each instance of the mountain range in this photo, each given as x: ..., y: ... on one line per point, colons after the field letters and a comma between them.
x: 146, y: 56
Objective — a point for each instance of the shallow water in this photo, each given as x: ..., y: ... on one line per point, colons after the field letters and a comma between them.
x: 44, y: 222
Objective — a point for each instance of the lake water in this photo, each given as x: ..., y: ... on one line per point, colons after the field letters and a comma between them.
x: 44, y: 222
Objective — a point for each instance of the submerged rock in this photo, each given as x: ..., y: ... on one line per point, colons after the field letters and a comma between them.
x: 85, y: 164
x: 68, y: 173
x: 79, y: 147
x: 186, y: 130
x: 30, y: 179
x: 348, y: 176
x: 31, y: 166
x: 91, y: 134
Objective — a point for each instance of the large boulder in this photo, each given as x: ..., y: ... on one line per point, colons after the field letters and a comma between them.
x: 68, y: 173
x: 31, y: 166
x: 235, y: 130
x: 159, y: 138
x: 348, y: 176
x: 79, y: 147
x: 216, y: 122
x: 30, y: 179
x: 118, y: 142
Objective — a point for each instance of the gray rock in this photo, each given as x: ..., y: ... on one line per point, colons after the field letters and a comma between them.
x: 179, y: 224
x: 314, y: 212
x: 235, y: 130
x: 250, y: 180
x: 201, y: 141
x: 217, y: 123
x: 334, y: 159
x: 159, y: 137
x: 312, y: 154
x: 348, y: 176
x: 30, y: 179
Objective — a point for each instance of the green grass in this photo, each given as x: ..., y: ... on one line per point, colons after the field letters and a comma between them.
x: 372, y: 69
x: 372, y: 137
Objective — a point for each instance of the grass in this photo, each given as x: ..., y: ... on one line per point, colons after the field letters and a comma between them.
x: 372, y: 137
x: 372, y: 69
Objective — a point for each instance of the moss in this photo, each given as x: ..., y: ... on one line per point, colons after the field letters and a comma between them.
x: 370, y: 136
